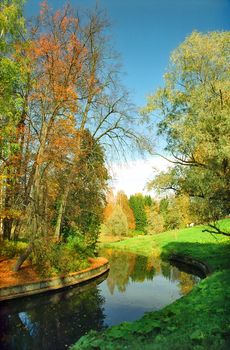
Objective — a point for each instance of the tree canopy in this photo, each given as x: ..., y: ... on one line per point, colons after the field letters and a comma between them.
x: 138, y: 203
x: 194, y: 109
x: 117, y: 223
x: 63, y: 112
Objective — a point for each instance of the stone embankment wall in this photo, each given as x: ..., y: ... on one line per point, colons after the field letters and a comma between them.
x: 97, y: 268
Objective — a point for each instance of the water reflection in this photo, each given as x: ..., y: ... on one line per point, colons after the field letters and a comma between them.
x: 129, y: 267
x: 135, y: 284
x: 51, y: 321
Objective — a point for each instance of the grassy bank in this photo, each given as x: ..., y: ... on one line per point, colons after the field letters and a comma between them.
x: 200, y: 320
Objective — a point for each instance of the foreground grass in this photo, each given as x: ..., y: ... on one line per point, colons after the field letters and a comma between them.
x: 200, y: 320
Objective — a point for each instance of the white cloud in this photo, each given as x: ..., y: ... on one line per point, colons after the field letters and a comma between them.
x: 133, y: 176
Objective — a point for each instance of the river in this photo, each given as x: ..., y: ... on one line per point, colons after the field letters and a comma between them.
x: 134, y: 285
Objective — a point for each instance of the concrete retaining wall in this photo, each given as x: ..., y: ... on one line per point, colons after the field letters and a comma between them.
x: 98, y: 267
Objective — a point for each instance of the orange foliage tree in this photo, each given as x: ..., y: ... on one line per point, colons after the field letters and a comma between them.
x: 123, y: 201
x: 73, y: 112
x: 55, y: 57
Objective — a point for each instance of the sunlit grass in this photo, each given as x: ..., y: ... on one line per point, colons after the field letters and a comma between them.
x: 146, y: 245
x: 200, y: 320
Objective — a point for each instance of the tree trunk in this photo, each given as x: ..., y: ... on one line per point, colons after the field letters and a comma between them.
x: 7, y: 226
x: 15, y: 230
x: 23, y: 257
x: 9, y: 196
x: 65, y: 194
x: 36, y: 203
x: 61, y: 211
x: 33, y: 208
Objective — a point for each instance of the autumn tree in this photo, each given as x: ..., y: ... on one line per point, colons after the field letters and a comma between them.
x: 117, y: 223
x: 55, y: 57
x: 108, y: 210
x: 122, y: 200
x: 103, y: 106
x: 73, y: 113
x: 169, y: 213
x: 194, y: 108
x: 155, y: 219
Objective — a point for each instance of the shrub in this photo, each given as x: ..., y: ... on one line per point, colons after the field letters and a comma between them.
x: 42, y: 256
x: 76, y: 243
x: 65, y: 260
x: 10, y: 249
x: 134, y: 233
x: 50, y: 257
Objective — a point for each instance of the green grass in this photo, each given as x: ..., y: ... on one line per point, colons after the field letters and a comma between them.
x: 200, y: 320
x: 147, y: 245
x: 105, y: 238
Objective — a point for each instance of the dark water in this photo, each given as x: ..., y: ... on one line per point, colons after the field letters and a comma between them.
x: 134, y: 285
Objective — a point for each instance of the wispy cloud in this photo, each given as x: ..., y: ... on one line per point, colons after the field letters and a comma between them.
x: 132, y: 177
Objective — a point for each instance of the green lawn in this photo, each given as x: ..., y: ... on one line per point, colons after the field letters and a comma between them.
x: 200, y: 320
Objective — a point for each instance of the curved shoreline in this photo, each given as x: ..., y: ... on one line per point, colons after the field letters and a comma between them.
x: 98, y: 267
x: 191, y: 321
x: 189, y: 261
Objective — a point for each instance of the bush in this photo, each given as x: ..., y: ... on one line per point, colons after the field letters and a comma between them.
x: 10, y: 249
x: 76, y: 243
x: 65, y: 260
x: 61, y: 258
x: 42, y: 256
x: 133, y: 233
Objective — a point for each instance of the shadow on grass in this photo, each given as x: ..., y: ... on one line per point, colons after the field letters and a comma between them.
x: 214, y: 255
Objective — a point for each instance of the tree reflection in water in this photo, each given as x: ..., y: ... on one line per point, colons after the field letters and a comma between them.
x: 126, y: 267
x: 135, y: 284
x: 51, y: 321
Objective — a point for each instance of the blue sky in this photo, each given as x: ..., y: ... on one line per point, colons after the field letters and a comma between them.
x: 145, y: 32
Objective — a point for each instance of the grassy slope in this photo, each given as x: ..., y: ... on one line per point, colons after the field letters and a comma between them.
x: 200, y: 320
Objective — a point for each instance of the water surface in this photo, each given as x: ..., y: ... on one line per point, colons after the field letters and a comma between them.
x: 134, y: 285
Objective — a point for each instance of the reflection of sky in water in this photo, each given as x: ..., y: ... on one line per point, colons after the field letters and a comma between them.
x: 30, y: 326
x: 56, y: 320
x: 138, y: 298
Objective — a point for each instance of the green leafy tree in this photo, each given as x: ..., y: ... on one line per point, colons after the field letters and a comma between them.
x: 148, y: 201
x: 12, y: 23
x: 178, y: 212
x: 137, y: 204
x: 163, y: 205
x: 12, y: 112
x: 84, y: 210
x: 195, y: 106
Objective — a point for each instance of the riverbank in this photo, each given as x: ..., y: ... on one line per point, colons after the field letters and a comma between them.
x: 28, y: 282
x: 200, y: 320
